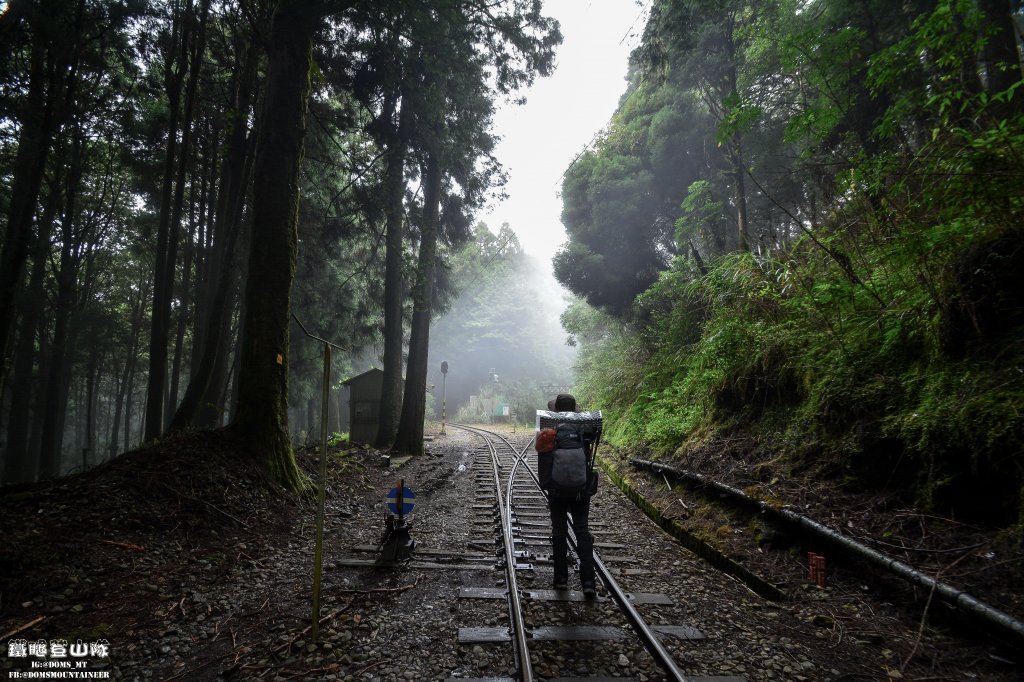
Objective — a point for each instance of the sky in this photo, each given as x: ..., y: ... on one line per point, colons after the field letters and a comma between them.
x: 561, y: 116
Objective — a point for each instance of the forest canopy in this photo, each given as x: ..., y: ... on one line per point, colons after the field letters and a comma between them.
x: 823, y: 202
x: 156, y: 252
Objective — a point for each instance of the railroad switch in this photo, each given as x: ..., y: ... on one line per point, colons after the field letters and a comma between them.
x: 397, y: 545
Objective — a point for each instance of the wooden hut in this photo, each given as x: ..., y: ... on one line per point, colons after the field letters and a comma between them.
x: 364, y: 405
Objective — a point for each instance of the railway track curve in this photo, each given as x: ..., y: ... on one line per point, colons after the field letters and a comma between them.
x: 445, y: 614
x: 519, y: 509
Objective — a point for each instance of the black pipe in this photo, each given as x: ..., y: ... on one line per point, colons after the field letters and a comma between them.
x: 999, y: 620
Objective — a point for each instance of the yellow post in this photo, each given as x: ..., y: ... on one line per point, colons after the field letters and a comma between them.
x: 318, y: 553
x: 444, y: 387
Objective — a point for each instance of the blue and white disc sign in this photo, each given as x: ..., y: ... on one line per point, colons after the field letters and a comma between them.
x: 408, y: 498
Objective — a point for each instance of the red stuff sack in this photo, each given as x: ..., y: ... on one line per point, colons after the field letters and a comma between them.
x: 545, y: 441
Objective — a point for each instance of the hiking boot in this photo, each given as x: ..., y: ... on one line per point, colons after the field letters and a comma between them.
x: 589, y: 591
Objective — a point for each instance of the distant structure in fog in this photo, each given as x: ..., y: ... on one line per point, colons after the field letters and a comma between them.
x: 364, y: 405
x: 555, y: 389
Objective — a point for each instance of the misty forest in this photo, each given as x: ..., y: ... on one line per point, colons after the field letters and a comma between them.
x: 796, y: 246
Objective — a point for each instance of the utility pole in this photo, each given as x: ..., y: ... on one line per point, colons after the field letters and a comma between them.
x: 444, y: 387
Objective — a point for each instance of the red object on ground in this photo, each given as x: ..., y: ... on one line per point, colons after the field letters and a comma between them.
x: 817, y: 565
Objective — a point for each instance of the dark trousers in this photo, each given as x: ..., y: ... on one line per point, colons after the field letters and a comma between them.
x: 561, y: 507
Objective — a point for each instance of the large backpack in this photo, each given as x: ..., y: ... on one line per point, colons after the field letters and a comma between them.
x: 570, y: 466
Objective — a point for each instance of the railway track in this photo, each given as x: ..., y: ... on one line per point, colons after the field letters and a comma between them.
x: 447, y: 613
x: 510, y: 514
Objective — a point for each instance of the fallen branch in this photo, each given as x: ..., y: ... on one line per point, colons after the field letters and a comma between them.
x: 306, y: 673
x: 920, y: 627
x: 26, y: 626
x: 924, y: 614
x: 255, y: 562
x: 923, y: 550
x: 328, y: 617
x: 126, y: 545
x: 403, y: 588
x: 372, y: 665
x: 682, y: 504
x: 208, y: 504
x: 192, y: 670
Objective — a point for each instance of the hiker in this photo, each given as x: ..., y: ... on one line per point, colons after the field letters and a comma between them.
x: 562, y: 504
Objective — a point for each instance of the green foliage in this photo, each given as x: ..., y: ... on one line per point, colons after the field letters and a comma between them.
x: 620, y: 199
x: 883, y: 335
x: 702, y: 214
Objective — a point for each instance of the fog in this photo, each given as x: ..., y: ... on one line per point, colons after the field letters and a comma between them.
x: 505, y: 321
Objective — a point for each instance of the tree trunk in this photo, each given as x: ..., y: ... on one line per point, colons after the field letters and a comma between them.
x: 738, y: 165
x: 1001, y: 57
x: 124, y: 398
x: 120, y: 384
x: 92, y: 380
x: 214, y: 404
x: 262, y: 418
x: 394, y: 289
x: 207, y: 190
x: 21, y: 463
x: 29, y: 162
x: 35, y: 438
x: 200, y: 406
x: 311, y: 413
x: 701, y: 267
x: 335, y: 412
x: 74, y: 409
x: 129, y: 395
x: 185, y: 160
x: 58, y: 381
x: 410, y: 427
x: 740, y: 196
x: 183, y: 310
x: 105, y: 428
x: 160, y: 315
x: 230, y: 398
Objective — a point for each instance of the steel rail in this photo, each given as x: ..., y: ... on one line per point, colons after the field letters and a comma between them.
x: 525, y: 665
x: 647, y: 636
x: 520, y: 645
x: 639, y: 625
